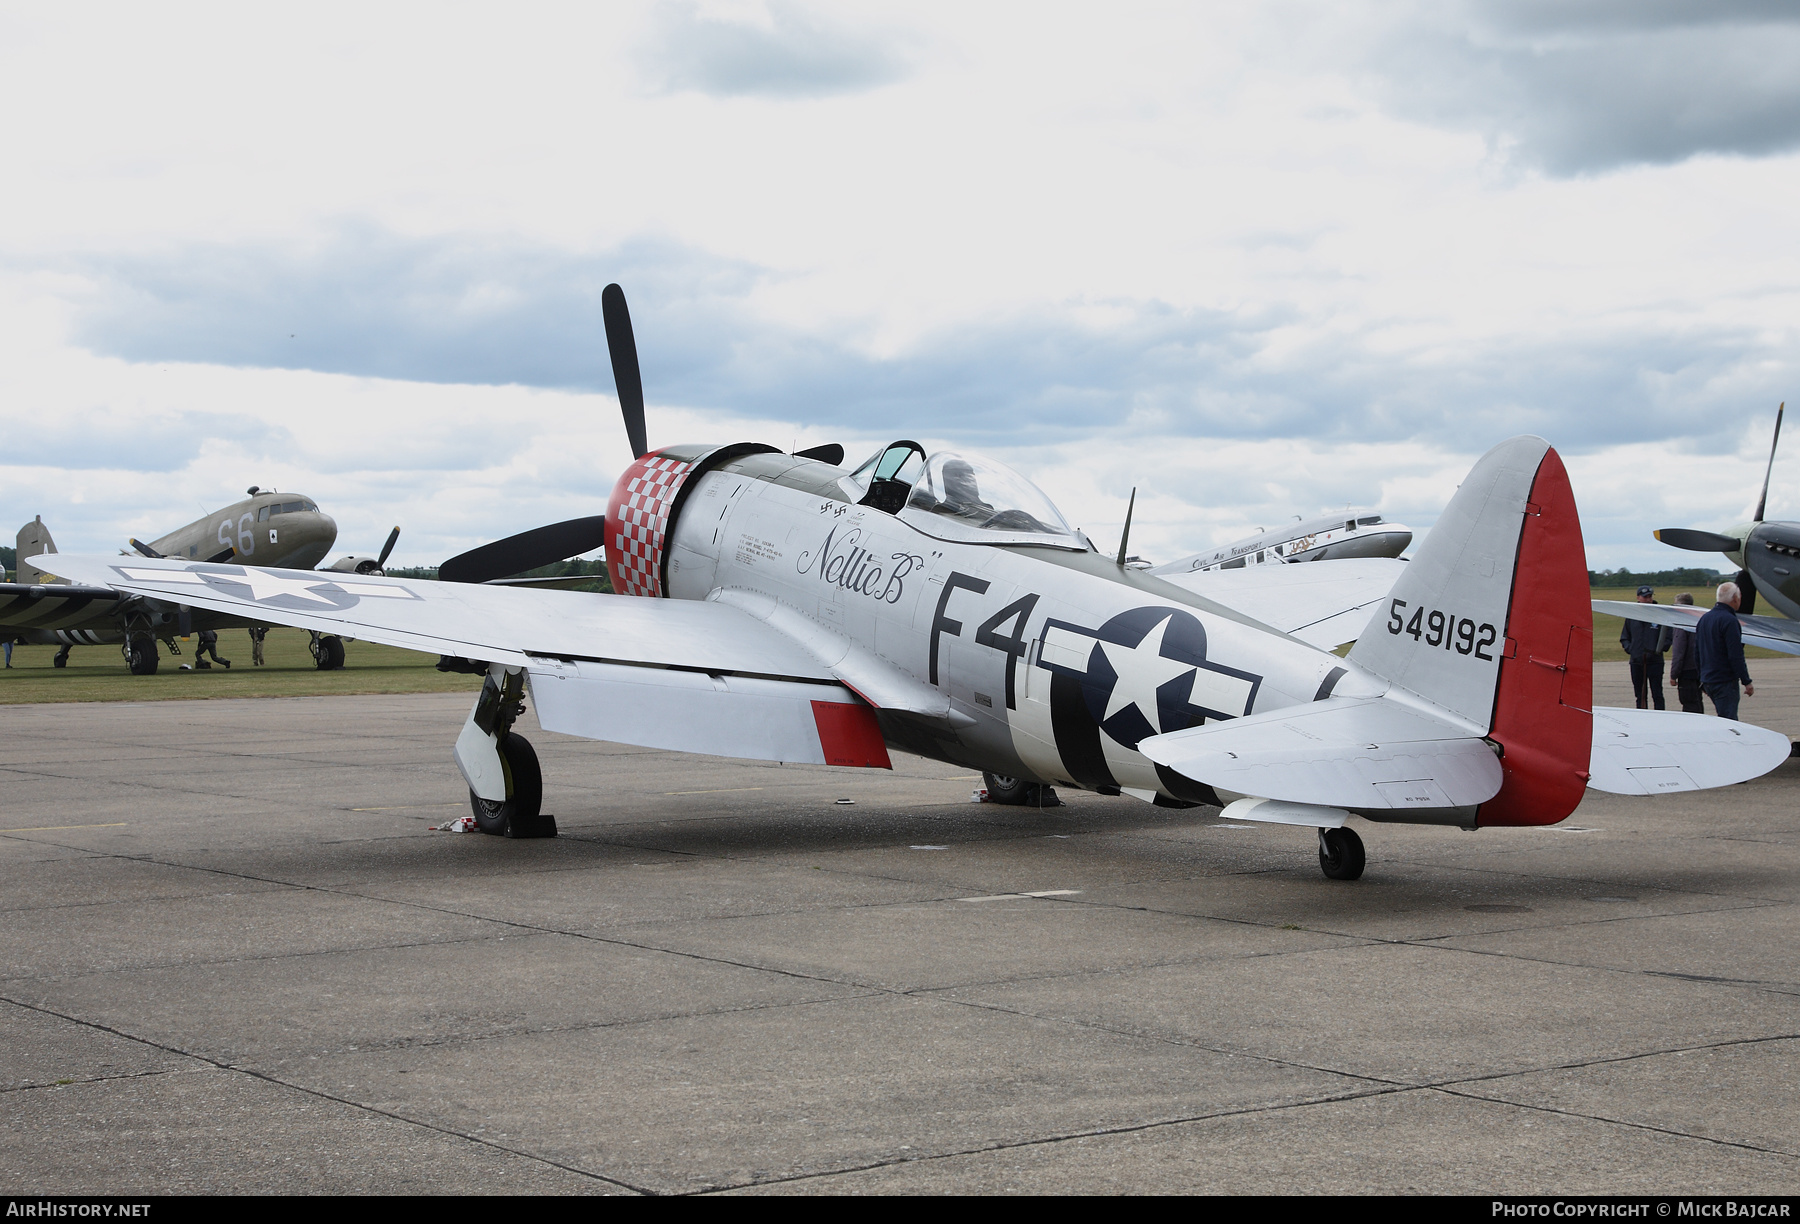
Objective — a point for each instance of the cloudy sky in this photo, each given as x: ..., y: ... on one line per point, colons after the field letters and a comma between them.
x: 1257, y: 260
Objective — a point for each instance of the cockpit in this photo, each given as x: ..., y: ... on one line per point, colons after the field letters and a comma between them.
x: 952, y: 496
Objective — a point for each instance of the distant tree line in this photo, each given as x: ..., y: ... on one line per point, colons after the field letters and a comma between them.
x: 1670, y: 578
x: 561, y: 569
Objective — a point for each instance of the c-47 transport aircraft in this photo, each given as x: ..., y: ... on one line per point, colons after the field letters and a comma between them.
x: 780, y: 607
x: 267, y: 528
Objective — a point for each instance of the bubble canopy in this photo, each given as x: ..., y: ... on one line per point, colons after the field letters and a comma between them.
x: 979, y: 501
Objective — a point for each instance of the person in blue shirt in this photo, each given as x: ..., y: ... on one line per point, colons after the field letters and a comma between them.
x: 1719, y: 643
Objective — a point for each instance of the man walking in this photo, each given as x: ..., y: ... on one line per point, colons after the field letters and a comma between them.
x: 1644, y: 644
x: 1719, y: 641
x: 1684, y: 665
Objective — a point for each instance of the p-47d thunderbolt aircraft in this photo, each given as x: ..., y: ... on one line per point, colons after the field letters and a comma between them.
x: 780, y: 607
x: 267, y: 528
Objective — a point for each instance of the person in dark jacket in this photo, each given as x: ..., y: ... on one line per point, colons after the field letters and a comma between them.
x: 209, y: 644
x: 1684, y: 665
x: 1719, y: 641
x: 1644, y: 644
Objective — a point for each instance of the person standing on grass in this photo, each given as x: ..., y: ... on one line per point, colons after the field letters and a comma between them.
x: 1719, y: 641
x: 1644, y: 644
x: 1684, y: 665
x: 260, y: 632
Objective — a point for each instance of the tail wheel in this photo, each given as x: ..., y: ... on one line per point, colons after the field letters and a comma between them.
x: 61, y: 659
x: 519, y: 813
x: 1016, y: 792
x: 1341, y: 854
x: 328, y: 653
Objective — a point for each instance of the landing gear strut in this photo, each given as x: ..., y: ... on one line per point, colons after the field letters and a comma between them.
x: 506, y: 785
x: 62, y: 657
x: 1340, y: 854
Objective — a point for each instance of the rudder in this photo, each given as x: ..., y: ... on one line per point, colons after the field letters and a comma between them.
x: 34, y: 539
x: 1491, y: 623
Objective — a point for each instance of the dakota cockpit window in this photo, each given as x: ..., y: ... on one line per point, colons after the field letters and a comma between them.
x: 969, y: 498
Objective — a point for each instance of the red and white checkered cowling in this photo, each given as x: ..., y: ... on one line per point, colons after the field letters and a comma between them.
x: 637, y: 522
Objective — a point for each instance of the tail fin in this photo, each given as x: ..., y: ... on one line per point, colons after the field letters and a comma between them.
x: 34, y: 538
x: 1491, y: 622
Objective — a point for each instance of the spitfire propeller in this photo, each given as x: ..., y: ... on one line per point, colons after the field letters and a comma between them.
x: 1766, y: 551
x: 1695, y: 540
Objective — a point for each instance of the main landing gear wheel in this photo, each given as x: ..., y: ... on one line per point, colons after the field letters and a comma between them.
x: 328, y: 652
x: 141, y: 653
x: 1016, y: 792
x: 1340, y: 854
x: 61, y: 659
x: 520, y: 814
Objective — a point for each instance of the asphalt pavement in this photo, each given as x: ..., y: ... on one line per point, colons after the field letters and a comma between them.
x: 234, y: 958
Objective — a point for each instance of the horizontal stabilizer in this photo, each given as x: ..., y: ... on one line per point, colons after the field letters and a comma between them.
x: 1274, y: 811
x: 1769, y: 632
x: 1347, y: 752
x: 1658, y: 752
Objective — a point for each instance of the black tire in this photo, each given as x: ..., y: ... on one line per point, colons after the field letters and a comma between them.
x: 61, y: 659
x: 330, y: 654
x: 143, y: 656
x: 1016, y: 792
x: 1341, y: 854
x: 525, y: 792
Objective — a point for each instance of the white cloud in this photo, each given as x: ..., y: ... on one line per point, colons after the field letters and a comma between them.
x: 1079, y: 237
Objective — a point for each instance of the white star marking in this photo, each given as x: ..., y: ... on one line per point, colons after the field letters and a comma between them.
x: 264, y: 585
x: 1142, y: 670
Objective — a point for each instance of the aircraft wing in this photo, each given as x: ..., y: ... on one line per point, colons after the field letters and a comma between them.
x: 1769, y: 632
x: 1324, y: 603
x: 664, y: 673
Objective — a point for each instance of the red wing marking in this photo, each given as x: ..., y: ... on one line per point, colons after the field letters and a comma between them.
x: 1543, y: 702
x: 850, y: 735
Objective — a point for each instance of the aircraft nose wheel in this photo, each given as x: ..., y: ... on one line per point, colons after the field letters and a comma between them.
x: 1340, y: 854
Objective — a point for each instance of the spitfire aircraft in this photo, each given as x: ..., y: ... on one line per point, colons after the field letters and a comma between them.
x: 1767, y: 555
x: 788, y: 608
x: 287, y: 530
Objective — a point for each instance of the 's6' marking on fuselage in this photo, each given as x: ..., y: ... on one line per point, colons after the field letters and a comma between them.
x: 1436, y: 628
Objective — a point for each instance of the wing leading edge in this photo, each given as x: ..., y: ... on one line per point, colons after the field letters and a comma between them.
x: 660, y: 673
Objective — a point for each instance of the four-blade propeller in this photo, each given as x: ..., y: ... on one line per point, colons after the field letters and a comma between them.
x: 560, y: 541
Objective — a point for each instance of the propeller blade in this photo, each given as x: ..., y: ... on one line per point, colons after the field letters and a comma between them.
x: 1763, y: 501
x: 626, y: 376
x: 1746, y: 584
x: 1695, y: 540
x: 526, y: 551
x: 144, y: 548
x: 830, y: 453
x: 381, y: 561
